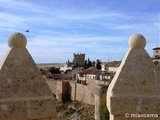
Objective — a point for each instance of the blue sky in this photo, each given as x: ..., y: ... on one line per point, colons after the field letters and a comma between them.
x: 98, y: 28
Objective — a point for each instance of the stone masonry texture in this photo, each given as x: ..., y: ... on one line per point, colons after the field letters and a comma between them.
x: 135, y: 89
x: 24, y: 94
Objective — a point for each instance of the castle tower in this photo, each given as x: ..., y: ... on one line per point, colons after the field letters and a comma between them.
x: 78, y: 59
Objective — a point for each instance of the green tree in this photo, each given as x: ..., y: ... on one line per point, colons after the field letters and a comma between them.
x: 104, y: 113
x: 85, y: 64
x: 89, y: 63
x: 54, y: 70
x: 98, y: 65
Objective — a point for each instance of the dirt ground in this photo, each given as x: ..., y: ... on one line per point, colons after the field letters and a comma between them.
x: 74, y: 110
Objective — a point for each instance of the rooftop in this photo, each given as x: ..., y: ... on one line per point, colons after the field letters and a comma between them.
x: 91, y: 70
x: 157, y: 48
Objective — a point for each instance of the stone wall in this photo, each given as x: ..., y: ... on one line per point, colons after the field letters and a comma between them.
x: 100, y: 100
x: 59, y: 90
x: 84, y: 93
x: 73, y: 90
x: 56, y: 87
x: 52, y: 85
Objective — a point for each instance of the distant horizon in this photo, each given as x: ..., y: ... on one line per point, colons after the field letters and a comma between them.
x: 98, y: 28
x: 62, y: 62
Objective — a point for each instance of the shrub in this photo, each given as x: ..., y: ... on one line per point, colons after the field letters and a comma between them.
x: 71, y: 111
x: 66, y: 113
x: 104, y: 113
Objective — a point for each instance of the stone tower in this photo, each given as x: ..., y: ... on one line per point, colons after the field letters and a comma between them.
x: 78, y: 59
x: 24, y: 94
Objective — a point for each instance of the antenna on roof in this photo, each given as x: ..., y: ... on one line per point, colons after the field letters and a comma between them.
x: 108, y: 56
x: 157, y: 43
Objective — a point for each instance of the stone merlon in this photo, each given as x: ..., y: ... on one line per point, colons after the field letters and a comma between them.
x: 135, y: 89
x: 24, y: 94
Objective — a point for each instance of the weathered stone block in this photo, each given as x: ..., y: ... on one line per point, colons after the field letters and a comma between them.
x: 135, y: 89
x: 40, y: 108
x: 13, y: 110
x: 149, y: 104
x: 123, y: 104
x: 24, y: 94
x: 134, y: 104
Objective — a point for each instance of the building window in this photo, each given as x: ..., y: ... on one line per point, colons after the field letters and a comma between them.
x: 157, y: 56
x: 80, y: 75
x: 156, y: 51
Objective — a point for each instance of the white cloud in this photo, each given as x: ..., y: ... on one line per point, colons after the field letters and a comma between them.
x: 20, y: 5
x: 57, y: 33
x: 62, y: 48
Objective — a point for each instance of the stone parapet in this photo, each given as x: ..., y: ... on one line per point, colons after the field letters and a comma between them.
x: 135, y: 89
x: 24, y: 94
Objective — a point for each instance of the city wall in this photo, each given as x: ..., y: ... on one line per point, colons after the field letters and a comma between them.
x: 83, y: 93
x: 52, y: 85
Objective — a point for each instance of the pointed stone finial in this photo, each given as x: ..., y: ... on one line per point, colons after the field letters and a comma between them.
x: 135, y: 89
x: 24, y: 94
x: 17, y: 40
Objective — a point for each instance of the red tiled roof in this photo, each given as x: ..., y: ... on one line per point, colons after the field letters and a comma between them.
x: 91, y: 70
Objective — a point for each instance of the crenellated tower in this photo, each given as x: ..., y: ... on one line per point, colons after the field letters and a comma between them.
x: 78, y: 59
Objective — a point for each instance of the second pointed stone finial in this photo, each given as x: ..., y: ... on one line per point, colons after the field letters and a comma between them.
x: 135, y: 88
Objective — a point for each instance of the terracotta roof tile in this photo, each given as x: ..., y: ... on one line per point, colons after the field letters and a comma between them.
x: 91, y: 70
